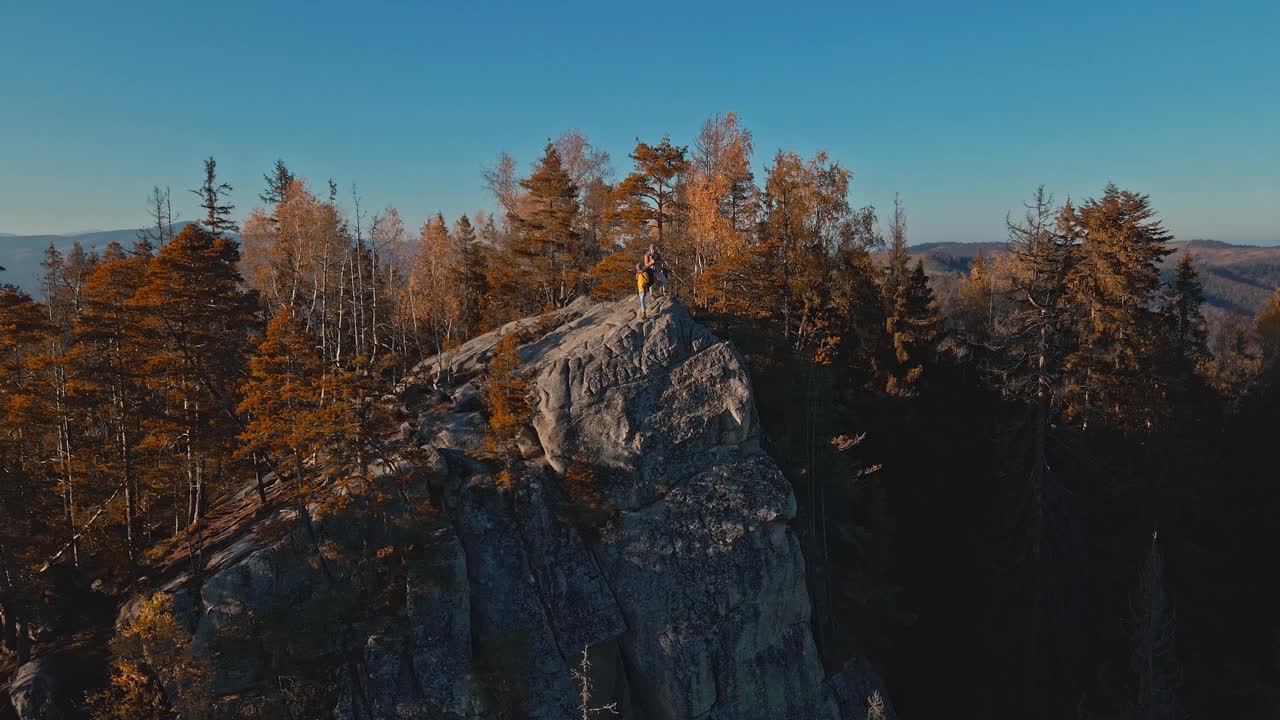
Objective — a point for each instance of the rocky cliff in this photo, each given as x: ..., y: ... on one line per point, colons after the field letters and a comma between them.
x: 683, y: 585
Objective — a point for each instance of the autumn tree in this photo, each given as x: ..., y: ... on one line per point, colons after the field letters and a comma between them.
x: 549, y: 244
x: 506, y: 393
x: 588, y: 168
x: 722, y: 204
x: 647, y: 201
x: 112, y: 354
x: 1267, y: 326
x: 63, y: 283
x: 975, y: 302
x: 438, y: 288
x: 32, y: 511
x: 291, y: 399
x: 805, y: 205
x: 198, y: 318
x: 856, y: 306
x: 155, y: 672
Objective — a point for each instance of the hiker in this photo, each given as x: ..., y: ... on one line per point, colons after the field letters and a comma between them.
x: 653, y: 262
x: 643, y: 281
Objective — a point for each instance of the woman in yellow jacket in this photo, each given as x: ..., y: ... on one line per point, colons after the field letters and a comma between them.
x: 643, y: 281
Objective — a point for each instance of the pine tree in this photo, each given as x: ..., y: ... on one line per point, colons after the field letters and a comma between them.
x: 475, y: 285
x: 911, y: 319
x: 548, y: 243
x: 1267, y: 326
x: 1155, y: 659
x: 290, y: 400
x: 212, y: 194
x: 279, y: 180
x: 505, y: 393
x: 647, y: 200
x: 1033, y: 333
x: 1182, y: 316
x: 1114, y: 285
x: 31, y: 509
x: 975, y: 304
x: 912, y: 330
x: 198, y: 318
x: 897, y: 269
x: 63, y: 284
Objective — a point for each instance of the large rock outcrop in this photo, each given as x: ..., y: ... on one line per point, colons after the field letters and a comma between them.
x: 684, y: 589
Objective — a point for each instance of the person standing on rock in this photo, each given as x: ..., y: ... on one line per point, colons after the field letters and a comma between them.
x: 653, y: 263
x: 643, y: 281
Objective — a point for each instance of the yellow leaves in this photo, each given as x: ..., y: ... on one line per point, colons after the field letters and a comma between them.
x: 153, y: 654
x: 508, y: 408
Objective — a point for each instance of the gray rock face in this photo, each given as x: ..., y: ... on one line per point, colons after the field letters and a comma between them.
x: 698, y: 560
x: 683, y: 583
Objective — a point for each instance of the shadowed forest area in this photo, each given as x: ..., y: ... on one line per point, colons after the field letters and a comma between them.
x: 1046, y: 493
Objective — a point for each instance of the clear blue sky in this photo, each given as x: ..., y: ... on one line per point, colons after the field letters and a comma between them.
x: 961, y: 107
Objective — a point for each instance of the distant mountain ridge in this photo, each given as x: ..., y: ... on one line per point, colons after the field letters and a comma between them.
x: 21, y: 254
x: 1238, y: 279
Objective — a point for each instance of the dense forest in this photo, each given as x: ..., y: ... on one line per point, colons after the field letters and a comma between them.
x: 1048, y: 496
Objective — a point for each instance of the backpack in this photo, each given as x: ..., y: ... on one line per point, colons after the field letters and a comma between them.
x: 645, y: 278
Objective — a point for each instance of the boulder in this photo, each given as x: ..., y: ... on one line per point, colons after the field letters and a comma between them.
x: 33, y: 688
x: 467, y: 398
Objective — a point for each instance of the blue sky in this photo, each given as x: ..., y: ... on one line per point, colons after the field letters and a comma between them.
x: 963, y: 108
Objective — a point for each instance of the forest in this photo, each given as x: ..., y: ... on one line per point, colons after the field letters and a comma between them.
x: 1049, y: 496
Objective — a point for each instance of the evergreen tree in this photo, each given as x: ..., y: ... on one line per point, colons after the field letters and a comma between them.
x: 31, y: 509
x: 295, y: 406
x: 279, y: 180
x: 509, y: 411
x: 1114, y: 285
x: 647, y: 200
x: 912, y: 331
x: 911, y: 319
x: 198, y: 318
x: 1267, y: 326
x: 1033, y: 333
x: 212, y: 194
x: 548, y: 242
x: 1155, y: 659
x: 111, y: 353
x: 1182, y: 316
x: 897, y: 271
x: 474, y: 264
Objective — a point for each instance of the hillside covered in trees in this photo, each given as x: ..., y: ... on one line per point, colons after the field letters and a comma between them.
x: 1046, y: 494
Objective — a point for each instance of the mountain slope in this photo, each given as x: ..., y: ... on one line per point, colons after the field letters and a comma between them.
x: 21, y: 255
x: 1238, y: 279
